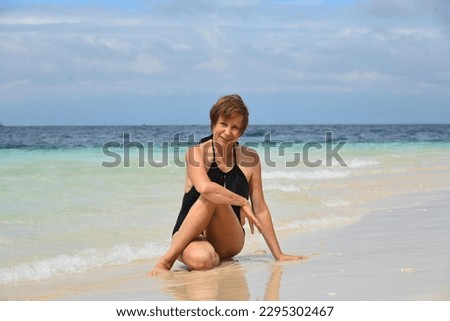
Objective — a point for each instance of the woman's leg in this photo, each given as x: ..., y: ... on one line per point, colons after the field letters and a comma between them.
x: 223, y: 239
x: 224, y: 236
x: 200, y: 255
x: 225, y: 232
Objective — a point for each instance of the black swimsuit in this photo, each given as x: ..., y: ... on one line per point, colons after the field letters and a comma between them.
x: 233, y: 180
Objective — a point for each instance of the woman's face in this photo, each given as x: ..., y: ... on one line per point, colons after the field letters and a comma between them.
x: 228, y: 130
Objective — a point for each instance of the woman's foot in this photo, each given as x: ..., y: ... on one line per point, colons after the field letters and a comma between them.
x: 161, y: 267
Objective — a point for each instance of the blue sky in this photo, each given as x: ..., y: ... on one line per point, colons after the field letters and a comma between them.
x: 167, y: 61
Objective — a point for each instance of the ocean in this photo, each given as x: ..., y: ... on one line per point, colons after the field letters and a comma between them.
x: 75, y: 199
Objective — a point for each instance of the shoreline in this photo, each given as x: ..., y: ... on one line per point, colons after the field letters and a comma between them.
x: 396, y: 252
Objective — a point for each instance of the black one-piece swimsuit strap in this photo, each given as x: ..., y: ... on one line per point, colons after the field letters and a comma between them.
x: 233, y: 180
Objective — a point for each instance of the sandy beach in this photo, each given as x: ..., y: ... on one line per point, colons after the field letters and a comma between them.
x: 397, y: 252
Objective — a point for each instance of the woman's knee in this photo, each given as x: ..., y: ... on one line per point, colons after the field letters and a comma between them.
x: 200, y: 257
x: 216, y: 209
x: 207, y: 203
x: 205, y: 261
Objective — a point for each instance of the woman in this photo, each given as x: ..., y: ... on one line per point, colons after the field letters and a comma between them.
x: 221, y: 176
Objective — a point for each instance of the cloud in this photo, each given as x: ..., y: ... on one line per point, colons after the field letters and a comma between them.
x: 108, y: 43
x: 147, y: 65
x: 11, y: 85
x: 181, y: 47
x: 391, y: 8
x: 216, y: 64
x: 256, y: 46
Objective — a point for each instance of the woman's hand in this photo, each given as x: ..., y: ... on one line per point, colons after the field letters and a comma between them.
x: 247, y: 212
x: 284, y: 257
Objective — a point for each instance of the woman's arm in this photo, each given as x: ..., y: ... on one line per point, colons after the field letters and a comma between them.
x: 262, y: 212
x: 214, y: 192
x: 198, y: 176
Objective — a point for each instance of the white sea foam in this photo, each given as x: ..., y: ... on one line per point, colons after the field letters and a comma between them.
x: 324, y: 221
x: 318, y: 174
x: 360, y: 163
x: 336, y: 203
x: 86, y: 260
x: 282, y: 188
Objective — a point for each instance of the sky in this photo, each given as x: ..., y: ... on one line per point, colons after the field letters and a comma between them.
x: 111, y: 62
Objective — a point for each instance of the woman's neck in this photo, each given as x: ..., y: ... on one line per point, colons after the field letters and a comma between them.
x: 224, y: 152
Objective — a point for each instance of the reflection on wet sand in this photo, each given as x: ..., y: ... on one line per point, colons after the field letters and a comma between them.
x: 224, y: 283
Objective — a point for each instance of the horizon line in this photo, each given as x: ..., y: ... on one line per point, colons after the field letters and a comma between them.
x: 255, y: 124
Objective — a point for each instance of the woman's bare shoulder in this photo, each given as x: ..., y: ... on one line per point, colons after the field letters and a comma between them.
x: 199, y: 154
x: 248, y: 156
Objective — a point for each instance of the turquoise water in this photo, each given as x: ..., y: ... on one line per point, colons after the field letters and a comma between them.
x: 62, y: 212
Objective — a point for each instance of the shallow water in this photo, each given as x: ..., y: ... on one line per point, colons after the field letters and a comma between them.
x: 62, y: 212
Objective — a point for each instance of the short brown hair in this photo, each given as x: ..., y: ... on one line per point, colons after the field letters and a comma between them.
x: 228, y: 106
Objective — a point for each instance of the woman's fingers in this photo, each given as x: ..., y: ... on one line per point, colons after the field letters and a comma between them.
x: 242, y: 218
x: 252, y: 228
x: 284, y: 257
x: 251, y: 218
